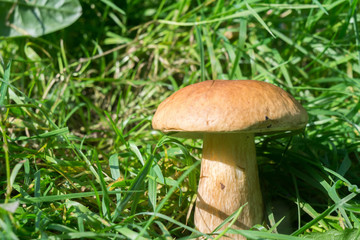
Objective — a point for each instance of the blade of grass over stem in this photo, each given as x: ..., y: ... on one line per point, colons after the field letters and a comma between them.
x: 263, y: 235
x: 232, y: 220
x: 169, y: 219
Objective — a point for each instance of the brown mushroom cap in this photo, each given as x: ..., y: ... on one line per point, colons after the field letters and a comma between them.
x: 246, y: 106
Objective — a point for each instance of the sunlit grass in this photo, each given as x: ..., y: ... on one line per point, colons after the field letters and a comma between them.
x: 79, y: 157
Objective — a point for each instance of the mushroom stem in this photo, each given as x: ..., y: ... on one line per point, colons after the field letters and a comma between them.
x: 229, y: 179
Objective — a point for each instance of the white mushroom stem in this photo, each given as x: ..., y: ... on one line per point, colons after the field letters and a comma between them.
x: 228, y: 180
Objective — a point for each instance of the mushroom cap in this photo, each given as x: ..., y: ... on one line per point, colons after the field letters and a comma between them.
x: 218, y: 106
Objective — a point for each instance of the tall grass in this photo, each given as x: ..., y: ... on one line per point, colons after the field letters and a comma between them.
x: 79, y: 156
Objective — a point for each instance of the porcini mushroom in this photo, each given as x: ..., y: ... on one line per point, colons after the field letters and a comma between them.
x: 227, y: 114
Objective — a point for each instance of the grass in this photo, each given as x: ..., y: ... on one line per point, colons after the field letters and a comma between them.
x: 79, y: 156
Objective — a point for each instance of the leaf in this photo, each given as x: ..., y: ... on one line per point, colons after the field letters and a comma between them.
x: 10, y: 207
x: 136, y: 151
x: 15, y: 172
x: 82, y: 210
x: 36, y: 18
x: 152, y: 187
x: 114, y: 166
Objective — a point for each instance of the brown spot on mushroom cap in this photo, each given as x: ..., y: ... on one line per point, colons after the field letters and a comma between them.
x: 229, y: 106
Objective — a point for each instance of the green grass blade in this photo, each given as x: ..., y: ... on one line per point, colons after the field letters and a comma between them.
x: 256, y: 15
x: 54, y: 133
x: 233, y: 16
x: 15, y: 172
x: 320, y: 6
x: 170, y: 192
x: 5, y: 83
x: 114, y: 166
x: 53, y: 198
x: 263, y: 235
x: 233, y: 219
x: 136, y: 184
x: 315, y: 220
x: 169, y: 219
x: 152, y: 188
x: 136, y: 151
x: 201, y: 50
x: 216, y: 69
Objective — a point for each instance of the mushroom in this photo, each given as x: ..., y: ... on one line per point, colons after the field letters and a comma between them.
x: 227, y: 114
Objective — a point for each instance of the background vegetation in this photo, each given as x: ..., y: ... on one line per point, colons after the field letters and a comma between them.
x: 79, y: 158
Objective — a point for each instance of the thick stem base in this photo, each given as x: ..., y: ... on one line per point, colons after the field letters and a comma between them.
x: 228, y: 180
